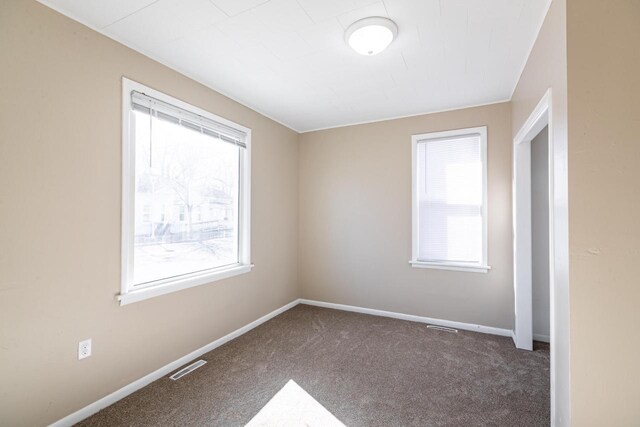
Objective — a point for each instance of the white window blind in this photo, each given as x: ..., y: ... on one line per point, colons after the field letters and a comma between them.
x: 171, y: 113
x: 450, y: 198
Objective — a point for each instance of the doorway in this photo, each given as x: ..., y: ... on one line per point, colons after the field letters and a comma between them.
x: 559, y: 311
x: 534, y: 236
x: 533, y: 254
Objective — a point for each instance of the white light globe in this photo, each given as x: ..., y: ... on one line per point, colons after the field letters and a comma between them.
x: 371, y: 36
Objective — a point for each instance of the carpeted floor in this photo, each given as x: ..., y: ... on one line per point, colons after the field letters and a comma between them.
x: 365, y: 370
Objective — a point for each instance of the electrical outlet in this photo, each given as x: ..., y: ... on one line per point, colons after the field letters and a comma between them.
x: 84, y: 349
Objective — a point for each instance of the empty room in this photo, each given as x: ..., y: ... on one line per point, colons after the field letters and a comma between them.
x: 319, y: 213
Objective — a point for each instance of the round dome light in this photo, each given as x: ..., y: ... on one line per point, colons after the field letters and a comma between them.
x: 370, y: 36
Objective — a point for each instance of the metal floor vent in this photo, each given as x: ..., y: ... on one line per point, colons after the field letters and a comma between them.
x: 442, y: 328
x: 187, y: 370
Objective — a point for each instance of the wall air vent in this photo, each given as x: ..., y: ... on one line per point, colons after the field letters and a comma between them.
x: 184, y: 371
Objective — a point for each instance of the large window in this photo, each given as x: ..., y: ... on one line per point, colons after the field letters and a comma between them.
x: 185, y: 195
x: 450, y: 200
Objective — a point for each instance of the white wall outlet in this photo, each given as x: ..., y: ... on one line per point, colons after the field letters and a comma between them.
x: 84, y: 349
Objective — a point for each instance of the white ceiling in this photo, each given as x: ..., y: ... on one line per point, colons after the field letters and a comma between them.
x: 288, y: 60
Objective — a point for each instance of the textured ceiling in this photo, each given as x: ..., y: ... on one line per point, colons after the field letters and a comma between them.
x: 288, y: 60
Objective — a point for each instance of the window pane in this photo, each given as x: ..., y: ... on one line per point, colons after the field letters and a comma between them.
x: 186, y: 201
x: 450, y: 200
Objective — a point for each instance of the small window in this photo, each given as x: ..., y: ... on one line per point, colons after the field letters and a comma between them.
x: 177, y: 160
x: 450, y: 200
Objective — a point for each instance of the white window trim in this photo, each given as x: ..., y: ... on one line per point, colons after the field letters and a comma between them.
x: 483, y: 266
x: 129, y: 294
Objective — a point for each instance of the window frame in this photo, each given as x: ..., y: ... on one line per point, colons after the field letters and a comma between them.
x: 483, y: 265
x: 130, y: 293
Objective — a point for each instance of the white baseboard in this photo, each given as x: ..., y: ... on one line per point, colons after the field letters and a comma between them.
x: 541, y: 338
x: 448, y: 323
x: 112, y: 398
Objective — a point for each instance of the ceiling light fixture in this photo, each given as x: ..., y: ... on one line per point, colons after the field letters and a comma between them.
x: 370, y: 36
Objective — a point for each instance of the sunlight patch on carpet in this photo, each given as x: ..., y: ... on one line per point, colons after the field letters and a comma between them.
x: 292, y: 406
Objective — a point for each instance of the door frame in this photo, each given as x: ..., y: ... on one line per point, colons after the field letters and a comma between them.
x: 522, y: 249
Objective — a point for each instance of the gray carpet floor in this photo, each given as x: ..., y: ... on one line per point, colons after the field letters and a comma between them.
x: 366, y: 370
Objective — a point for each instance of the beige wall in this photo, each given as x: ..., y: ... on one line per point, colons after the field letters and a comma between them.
x: 604, y: 209
x: 596, y: 338
x: 355, y: 221
x: 546, y: 68
x: 60, y: 113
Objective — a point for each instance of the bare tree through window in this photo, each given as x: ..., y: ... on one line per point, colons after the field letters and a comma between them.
x: 179, y: 172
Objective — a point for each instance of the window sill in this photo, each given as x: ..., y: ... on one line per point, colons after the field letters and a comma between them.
x: 174, y: 285
x: 450, y: 266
